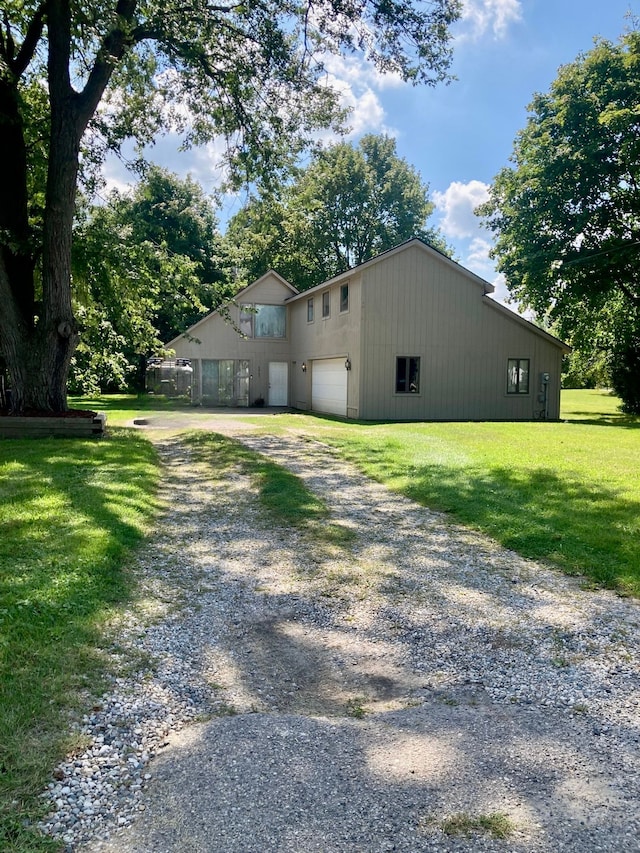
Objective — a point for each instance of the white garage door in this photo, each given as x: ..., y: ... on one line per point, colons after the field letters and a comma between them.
x: 329, y: 386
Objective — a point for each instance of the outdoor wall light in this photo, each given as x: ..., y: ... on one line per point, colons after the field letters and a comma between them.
x: 304, y: 366
x: 347, y: 363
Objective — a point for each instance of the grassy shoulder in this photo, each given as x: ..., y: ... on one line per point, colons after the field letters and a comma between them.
x: 70, y: 511
x: 566, y: 492
x: 284, y: 497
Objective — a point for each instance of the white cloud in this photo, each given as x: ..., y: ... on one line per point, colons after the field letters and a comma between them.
x: 501, y: 294
x: 495, y: 16
x: 478, y: 258
x: 357, y: 83
x: 367, y: 113
x: 457, y: 204
x: 116, y: 176
x: 206, y: 164
x: 359, y: 73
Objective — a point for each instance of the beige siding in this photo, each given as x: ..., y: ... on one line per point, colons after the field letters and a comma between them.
x: 429, y: 308
x: 216, y: 338
x: 337, y: 336
x: 409, y: 302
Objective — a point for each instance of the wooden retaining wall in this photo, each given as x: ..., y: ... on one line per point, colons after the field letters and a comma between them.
x: 36, y: 427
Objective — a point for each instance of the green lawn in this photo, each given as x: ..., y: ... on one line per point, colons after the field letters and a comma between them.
x: 565, y: 492
x: 122, y: 408
x: 70, y: 510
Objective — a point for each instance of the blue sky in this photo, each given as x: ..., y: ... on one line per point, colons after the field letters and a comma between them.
x: 460, y: 135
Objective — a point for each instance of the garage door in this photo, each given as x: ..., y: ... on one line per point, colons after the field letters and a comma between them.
x: 329, y: 386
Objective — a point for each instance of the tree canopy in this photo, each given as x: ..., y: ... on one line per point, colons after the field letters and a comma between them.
x: 146, y: 265
x: 348, y: 205
x: 101, y: 72
x: 566, y: 215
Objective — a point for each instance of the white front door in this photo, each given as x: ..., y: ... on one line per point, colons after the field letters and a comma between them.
x: 278, y: 383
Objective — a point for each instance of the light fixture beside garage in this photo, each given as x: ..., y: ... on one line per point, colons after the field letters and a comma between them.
x: 304, y: 366
x: 347, y: 363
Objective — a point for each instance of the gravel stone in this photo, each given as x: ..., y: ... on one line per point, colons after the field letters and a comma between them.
x: 292, y: 693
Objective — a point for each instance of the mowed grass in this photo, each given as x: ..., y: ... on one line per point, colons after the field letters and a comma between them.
x: 123, y: 408
x: 70, y: 511
x: 566, y: 492
x: 284, y: 497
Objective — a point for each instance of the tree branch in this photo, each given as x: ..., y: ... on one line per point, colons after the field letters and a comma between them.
x: 113, y: 48
x: 631, y: 296
x: 59, y: 27
x: 27, y: 50
x: 6, y: 45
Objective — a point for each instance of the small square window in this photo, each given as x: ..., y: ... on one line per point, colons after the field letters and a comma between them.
x: 517, y: 376
x: 326, y: 305
x: 407, y: 374
x: 310, y: 309
x: 344, y: 297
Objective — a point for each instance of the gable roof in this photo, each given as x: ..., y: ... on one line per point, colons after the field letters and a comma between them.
x: 487, y: 287
x: 239, y: 295
x: 401, y: 247
x: 259, y: 281
x: 518, y: 318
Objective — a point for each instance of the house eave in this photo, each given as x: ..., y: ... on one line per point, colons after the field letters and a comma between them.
x: 487, y: 287
x: 517, y: 318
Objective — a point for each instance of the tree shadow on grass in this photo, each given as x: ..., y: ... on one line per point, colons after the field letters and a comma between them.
x: 581, y: 527
x: 604, y: 419
x: 71, y: 511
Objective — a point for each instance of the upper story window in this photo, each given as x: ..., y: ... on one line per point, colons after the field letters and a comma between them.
x: 264, y: 321
x: 517, y: 376
x: 326, y: 304
x: 344, y: 297
x: 407, y: 374
x: 310, y: 310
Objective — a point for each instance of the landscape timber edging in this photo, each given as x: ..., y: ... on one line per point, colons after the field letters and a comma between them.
x: 44, y: 427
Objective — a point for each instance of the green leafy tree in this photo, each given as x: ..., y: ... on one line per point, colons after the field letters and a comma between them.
x: 176, y: 218
x: 566, y: 215
x: 348, y: 205
x: 113, y: 69
x: 146, y: 266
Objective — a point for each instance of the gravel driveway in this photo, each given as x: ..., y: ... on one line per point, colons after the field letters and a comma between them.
x: 353, y: 694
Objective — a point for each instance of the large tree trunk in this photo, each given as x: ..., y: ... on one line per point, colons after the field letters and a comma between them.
x: 57, y: 332
x: 38, y: 344
x: 38, y: 340
x: 17, y: 293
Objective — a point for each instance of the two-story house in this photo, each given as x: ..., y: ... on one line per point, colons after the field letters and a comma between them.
x: 408, y: 335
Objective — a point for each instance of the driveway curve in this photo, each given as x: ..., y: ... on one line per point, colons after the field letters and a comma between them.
x: 392, y: 683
